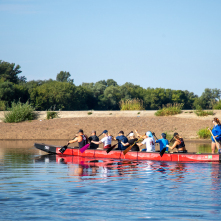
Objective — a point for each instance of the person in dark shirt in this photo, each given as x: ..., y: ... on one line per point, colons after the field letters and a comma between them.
x: 120, y: 138
x: 93, y: 137
x: 131, y: 142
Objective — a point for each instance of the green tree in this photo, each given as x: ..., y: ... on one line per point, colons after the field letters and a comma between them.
x: 9, y: 72
x: 64, y: 76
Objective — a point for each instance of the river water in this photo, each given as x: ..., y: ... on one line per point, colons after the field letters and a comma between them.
x: 35, y: 187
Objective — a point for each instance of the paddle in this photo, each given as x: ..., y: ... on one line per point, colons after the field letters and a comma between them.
x: 164, y: 149
x: 129, y: 148
x: 111, y: 148
x: 63, y: 148
x: 155, y: 135
x: 217, y: 144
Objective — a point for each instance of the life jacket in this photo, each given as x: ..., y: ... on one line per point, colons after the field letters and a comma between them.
x: 181, y: 143
x: 83, y: 142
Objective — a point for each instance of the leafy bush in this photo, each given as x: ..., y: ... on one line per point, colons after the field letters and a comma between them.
x: 2, y: 105
x: 52, y: 114
x: 201, y: 113
x: 89, y: 113
x: 204, y: 133
x: 135, y: 104
x: 19, y: 112
x: 217, y: 106
x: 170, y: 109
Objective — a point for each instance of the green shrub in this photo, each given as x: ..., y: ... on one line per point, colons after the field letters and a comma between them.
x: 134, y: 104
x: 169, y: 136
x: 2, y: 105
x: 19, y: 112
x: 89, y: 113
x: 204, y: 133
x: 201, y: 113
x: 170, y: 109
x: 217, y: 106
x: 52, y: 114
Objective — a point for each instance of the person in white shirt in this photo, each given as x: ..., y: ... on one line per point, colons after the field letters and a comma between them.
x: 106, y: 140
x: 149, y: 142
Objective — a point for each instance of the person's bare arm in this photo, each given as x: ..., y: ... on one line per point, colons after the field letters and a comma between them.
x: 139, y: 144
x: 140, y: 136
x: 125, y: 144
x: 96, y: 142
x: 174, y: 145
x: 73, y: 141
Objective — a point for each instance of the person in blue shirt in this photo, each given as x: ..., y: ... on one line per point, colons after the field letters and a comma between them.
x: 163, y: 142
x: 216, y: 133
x: 121, y: 138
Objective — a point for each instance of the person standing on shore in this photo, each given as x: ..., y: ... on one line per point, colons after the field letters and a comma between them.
x: 80, y: 138
x: 216, y: 133
x: 163, y: 142
x: 93, y: 137
x: 106, y: 140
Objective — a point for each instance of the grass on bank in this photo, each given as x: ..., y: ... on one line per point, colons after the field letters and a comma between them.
x: 204, y: 133
x: 19, y: 112
x: 201, y: 113
x: 134, y: 104
x: 170, y: 109
x: 52, y: 115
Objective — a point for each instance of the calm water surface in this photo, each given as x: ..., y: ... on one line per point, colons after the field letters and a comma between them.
x: 34, y: 187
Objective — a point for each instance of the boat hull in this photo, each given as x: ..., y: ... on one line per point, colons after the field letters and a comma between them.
x: 132, y: 155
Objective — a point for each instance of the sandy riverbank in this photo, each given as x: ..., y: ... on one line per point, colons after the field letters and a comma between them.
x: 65, y: 127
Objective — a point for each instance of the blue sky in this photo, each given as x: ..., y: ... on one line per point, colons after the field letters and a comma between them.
x: 152, y: 43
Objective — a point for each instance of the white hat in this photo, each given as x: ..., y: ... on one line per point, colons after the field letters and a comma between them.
x: 131, y: 134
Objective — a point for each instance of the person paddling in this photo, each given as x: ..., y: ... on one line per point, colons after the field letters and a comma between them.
x: 121, y: 138
x: 179, y: 144
x: 80, y: 138
x: 149, y: 142
x: 131, y: 142
x: 216, y: 133
x: 106, y: 140
x: 93, y: 137
x: 163, y: 142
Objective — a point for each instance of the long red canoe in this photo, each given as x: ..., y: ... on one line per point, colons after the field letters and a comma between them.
x: 132, y: 155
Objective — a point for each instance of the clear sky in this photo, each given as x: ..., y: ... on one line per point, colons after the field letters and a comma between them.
x: 153, y: 43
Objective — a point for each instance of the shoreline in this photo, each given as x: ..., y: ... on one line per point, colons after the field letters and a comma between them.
x: 69, y: 122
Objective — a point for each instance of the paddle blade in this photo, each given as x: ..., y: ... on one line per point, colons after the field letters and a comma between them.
x: 111, y: 148
x: 62, y: 150
x: 84, y: 148
x: 162, y: 151
x: 127, y: 150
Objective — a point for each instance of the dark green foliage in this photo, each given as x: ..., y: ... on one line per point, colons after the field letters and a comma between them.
x: 19, y: 112
x: 64, y: 76
x: 9, y: 72
x: 52, y: 115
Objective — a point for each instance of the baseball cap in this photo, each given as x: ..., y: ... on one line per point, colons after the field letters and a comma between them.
x: 131, y: 134
x: 105, y: 131
x: 80, y: 131
x: 121, y: 132
x: 175, y: 134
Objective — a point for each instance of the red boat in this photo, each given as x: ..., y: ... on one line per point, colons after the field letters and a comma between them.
x: 132, y: 155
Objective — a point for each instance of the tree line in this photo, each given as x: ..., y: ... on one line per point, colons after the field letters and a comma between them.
x: 63, y: 94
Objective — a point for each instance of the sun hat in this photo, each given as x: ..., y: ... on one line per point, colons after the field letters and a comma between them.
x: 131, y: 134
